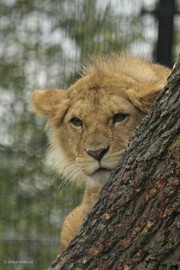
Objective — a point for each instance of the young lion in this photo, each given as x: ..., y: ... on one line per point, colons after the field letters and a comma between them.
x: 94, y: 120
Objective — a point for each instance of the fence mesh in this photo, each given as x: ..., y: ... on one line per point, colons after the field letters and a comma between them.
x: 43, y: 44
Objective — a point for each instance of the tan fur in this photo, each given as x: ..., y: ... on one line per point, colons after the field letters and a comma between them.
x: 109, y: 86
x: 74, y: 220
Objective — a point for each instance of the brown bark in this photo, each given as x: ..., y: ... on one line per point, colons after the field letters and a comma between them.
x: 135, y: 222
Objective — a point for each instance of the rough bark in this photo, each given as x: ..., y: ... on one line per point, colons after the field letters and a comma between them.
x: 135, y: 222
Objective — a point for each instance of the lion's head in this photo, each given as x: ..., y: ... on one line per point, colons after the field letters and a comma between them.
x: 95, y: 118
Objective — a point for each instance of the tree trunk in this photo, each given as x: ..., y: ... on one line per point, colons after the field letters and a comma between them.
x: 134, y: 224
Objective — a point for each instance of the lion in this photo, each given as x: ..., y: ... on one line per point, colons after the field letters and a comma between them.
x: 94, y: 120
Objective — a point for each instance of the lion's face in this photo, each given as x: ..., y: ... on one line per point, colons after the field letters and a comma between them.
x: 93, y: 122
x: 94, y: 132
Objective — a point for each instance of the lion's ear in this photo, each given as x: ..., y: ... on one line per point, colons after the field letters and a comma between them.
x: 49, y: 102
x: 143, y: 94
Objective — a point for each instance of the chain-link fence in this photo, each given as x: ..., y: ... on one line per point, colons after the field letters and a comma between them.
x: 42, y: 45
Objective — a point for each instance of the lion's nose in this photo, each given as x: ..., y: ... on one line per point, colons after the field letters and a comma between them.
x: 98, y: 154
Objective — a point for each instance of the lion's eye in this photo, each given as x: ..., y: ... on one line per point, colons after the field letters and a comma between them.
x: 76, y: 122
x: 119, y: 117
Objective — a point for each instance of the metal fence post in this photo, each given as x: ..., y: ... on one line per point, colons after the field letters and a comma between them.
x: 166, y: 12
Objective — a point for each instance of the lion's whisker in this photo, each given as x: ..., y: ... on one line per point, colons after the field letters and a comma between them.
x: 63, y: 185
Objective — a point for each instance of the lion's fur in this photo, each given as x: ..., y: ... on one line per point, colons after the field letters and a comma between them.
x: 119, y: 84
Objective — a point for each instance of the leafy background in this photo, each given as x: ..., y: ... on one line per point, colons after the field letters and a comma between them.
x: 42, y: 45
